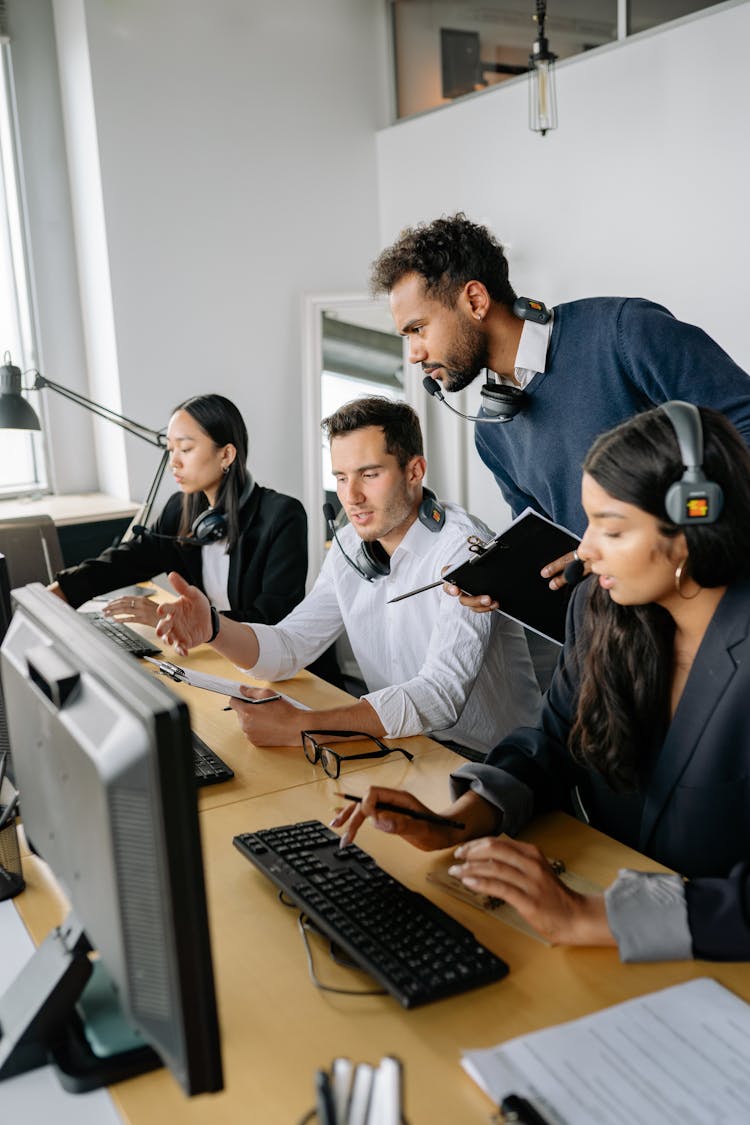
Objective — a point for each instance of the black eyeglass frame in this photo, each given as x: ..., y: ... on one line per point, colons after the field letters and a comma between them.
x: 323, y: 754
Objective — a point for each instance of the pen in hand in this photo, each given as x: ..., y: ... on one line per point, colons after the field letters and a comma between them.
x: 415, y: 814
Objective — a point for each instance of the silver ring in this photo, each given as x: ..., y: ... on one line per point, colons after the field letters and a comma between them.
x: 576, y: 556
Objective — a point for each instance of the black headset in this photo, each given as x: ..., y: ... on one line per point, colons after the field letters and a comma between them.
x: 501, y: 402
x: 692, y: 499
x: 208, y: 527
x: 373, y: 561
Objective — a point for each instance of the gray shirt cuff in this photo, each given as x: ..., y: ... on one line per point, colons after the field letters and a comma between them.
x: 514, y: 799
x: 647, y: 914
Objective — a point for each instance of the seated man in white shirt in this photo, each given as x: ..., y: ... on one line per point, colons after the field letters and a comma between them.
x: 430, y: 665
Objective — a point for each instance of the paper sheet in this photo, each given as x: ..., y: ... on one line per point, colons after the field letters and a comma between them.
x: 212, y: 683
x: 676, y: 1057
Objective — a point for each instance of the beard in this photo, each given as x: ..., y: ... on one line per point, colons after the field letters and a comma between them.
x: 466, y: 359
x: 395, y: 513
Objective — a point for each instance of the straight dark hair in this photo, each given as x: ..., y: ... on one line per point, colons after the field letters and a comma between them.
x: 626, y: 652
x: 399, y: 423
x: 222, y: 422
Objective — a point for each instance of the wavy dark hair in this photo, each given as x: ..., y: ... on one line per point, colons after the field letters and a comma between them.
x: 222, y: 421
x: 398, y: 421
x: 626, y: 652
x: 447, y: 253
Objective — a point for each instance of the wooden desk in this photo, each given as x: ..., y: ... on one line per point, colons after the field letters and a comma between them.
x: 258, y: 769
x: 277, y: 1028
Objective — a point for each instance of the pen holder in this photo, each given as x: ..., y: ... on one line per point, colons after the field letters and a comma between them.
x: 11, y: 873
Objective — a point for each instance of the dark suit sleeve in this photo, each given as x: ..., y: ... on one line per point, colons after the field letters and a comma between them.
x: 537, y: 757
x: 130, y: 562
x: 274, y: 582
x: 719, y: 915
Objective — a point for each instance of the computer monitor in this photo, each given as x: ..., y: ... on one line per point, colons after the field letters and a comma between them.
x: 104, y: 766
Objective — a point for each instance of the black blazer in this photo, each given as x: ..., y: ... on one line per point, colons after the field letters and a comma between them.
x: 267, y: 568
x: 693, y: 813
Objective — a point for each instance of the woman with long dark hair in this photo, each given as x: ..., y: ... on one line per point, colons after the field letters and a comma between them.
x: 244, y: 545
x: 645, y: 729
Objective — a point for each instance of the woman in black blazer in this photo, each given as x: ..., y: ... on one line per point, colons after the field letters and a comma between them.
x: 645, y: 729
x: 244, y: 545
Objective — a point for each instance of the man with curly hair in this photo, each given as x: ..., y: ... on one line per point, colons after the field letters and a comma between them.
x: 595, y: 363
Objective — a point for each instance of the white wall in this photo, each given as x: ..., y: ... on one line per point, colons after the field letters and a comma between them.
x: 642, y: 191
x: 235, y: 169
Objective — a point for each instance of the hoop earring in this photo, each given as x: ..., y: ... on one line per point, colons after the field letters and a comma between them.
x: 678, y: 576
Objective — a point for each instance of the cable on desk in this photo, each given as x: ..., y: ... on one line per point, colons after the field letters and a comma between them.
x: 304, y: 924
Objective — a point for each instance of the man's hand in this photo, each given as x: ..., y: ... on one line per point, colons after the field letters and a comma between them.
x: 480, y: 603
x: 427, y: 837
x: 554, y: 570
x: 56, y: 589
x: 186, y: 622
x: 519, y: 874
x: 269, y: 724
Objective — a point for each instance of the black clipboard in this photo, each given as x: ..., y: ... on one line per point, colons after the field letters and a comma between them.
x: 508, y: 569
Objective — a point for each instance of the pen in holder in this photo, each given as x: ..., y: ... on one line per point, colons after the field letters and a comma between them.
x: 11, y: 873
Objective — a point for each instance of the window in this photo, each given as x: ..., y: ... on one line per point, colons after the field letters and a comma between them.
x: 444, y: 49
x: 21, y: 459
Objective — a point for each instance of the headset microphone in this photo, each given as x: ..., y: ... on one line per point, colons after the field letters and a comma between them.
x: 574, y: 572
x: 501, y: 402
x: 330, y: 518
x: 142, y: 532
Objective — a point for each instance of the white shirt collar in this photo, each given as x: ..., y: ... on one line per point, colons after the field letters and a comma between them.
x: 531, y: 357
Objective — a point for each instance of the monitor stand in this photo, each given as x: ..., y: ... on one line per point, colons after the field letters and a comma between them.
x: 40, y: 1021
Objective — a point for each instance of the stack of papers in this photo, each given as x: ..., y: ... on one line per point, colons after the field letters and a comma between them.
x: 676, y: 1057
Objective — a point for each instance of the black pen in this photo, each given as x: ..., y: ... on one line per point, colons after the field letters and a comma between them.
x: 520, y: 1112
x: 3, y: 766
x: 419, y: 590
x: 324, y: 1099
x: 415, y: 814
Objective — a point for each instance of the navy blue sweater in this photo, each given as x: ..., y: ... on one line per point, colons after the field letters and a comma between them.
x: 609, y: 358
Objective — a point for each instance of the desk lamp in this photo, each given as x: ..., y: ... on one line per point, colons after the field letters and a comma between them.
x: 18, y: 414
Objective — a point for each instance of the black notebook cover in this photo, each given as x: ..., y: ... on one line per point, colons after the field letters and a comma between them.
x: 508, y: 570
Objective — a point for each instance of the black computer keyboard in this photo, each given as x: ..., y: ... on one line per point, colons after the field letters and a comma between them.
x: 122, y: 635
x: 414, y: 949
x: 209, y: 767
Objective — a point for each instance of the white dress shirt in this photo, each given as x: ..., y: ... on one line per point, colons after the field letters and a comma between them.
x: 215, y: 567
x: 531, y: 357
x: 430, y: 664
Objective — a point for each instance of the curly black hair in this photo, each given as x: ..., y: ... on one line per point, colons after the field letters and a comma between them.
x: 447, y: 253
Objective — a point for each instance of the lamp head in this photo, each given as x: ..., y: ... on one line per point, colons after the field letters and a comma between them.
x: 15, y: 411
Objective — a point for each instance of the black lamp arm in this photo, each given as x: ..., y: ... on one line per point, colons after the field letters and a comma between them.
x: 154, y: 437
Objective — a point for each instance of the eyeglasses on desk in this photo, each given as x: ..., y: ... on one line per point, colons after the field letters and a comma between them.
x: 330, y: 760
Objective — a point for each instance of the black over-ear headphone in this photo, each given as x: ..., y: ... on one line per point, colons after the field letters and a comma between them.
x: 207, y: 527
x: 501, y: 401
x: 692, y: 499
x: 373, y: 561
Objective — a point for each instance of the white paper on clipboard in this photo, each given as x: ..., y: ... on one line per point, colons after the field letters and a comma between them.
x: 219, y: 684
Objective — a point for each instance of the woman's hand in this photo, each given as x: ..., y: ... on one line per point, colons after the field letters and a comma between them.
x: 519, y: 874
x: 423, y: 835
x: 186, y: 622
x: 141, y: 610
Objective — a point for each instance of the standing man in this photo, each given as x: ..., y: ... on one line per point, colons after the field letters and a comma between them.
x: 594, y: 363
x: 430, y: 665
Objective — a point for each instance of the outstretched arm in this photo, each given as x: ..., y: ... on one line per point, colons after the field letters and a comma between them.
x: 186, y: 623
